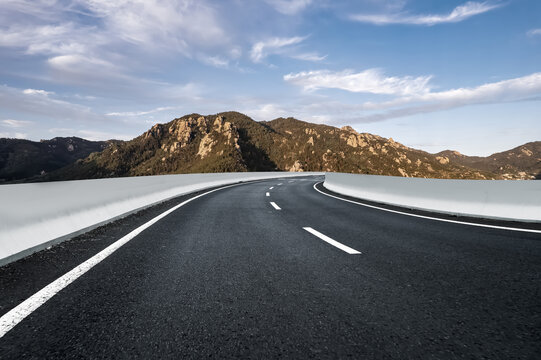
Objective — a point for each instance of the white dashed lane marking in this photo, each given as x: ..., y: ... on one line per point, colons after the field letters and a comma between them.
x: 275, y: 206
x: 331, y: 241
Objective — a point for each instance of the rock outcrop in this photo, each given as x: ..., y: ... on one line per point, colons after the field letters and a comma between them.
x: 233, y: 142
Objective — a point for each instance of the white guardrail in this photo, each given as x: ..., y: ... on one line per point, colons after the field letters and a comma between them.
x: 516, y: 200
x: 35, y: 216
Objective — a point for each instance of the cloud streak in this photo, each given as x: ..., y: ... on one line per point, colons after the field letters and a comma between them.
x: 182, y: 24
x: 37, y: 92
x: 16, y: 135
x: 289, y: 7
x: 460, y: 13
x: 368, y: 81
x: 87, y: 134
x: 524, y: 88
x: 140, y: 113
x: 409, y: 99
x: 114, y: 30
x: 309, y: 57
x: 30, y: 102
x: 510, y: 90
x: 262, y: 49
x: 15, y: 123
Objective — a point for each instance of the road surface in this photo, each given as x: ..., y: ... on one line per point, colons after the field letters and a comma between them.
x: 275, y: 269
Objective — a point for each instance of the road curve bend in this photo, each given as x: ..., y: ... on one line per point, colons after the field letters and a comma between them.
x: 276, y: 269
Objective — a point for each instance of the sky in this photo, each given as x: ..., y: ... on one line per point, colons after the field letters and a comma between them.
x: 433, y: 75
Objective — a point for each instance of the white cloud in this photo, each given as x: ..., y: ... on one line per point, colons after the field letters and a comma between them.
x: 119, y: 30
x: 19, y: 35
x: 109, y: 80
x: 502, y: 91
x: 93, y: 72
x: 37, y: 92
x: 90, y: 134
x: 265, y: 112
x: 513, y: 90
x: 13, y: 99
x: 216, y: 61
x: 368, y: 81
x: 53, y: 39
x: 289, y: 7
x: 43, y: 9
x: 140, y: 113
x: 170, y: 24
x: 526, y: 88
x: 235, y: 52
x: 534, y: 32
x: 78, y: 62
x: 16, y: 135
x: 84, y: 97
x: 262, y: 49
x: 15, y: 123
x: 460, y: 13
x: 103, y: 135
x: 309, y: 57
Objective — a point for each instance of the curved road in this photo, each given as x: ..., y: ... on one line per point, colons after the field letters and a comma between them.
x: 231, y: 275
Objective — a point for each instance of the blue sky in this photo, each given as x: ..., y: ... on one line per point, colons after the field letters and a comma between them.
x: 433, y: 75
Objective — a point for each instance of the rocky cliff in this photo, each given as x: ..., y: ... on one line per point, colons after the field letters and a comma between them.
x: 234, y: 142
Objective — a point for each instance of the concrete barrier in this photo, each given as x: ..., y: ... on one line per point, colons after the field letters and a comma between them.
x: 35, y: 216
x: 515, y: 200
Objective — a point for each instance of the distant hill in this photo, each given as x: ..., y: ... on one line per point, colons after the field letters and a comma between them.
x: 522, y: 162
x: 232, y: 141
x: 23, y: 159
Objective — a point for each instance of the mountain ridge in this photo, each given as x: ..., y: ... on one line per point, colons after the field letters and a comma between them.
x: 232, y: 141
x: 523, y: 161
x: 24, y: 159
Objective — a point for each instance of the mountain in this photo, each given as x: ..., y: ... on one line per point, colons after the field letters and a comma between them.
x: 23, y: 159
x: 232, y: 141
x: 522, y: 162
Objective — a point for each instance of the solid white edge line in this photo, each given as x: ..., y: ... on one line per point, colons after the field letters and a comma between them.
x: 275, y: 206
x: 21, y: 311
x: 267, y: 194
x: 332, y: 241
x: 429, y: 217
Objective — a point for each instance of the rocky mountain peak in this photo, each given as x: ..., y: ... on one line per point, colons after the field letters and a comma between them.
x: 232, y: 141
x: 347, y: 128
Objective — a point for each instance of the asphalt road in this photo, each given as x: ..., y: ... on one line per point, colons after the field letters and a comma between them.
x: 228, y: 275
